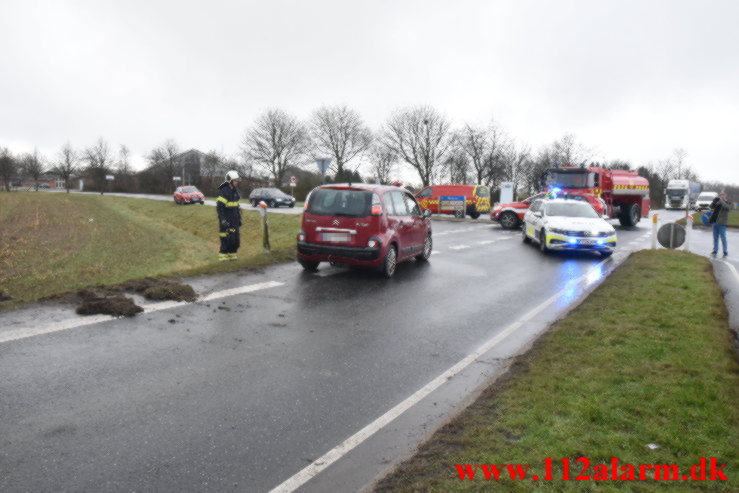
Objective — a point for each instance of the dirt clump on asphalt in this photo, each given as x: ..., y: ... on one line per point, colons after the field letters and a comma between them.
x: 161, y: 289
x: 116, y: 305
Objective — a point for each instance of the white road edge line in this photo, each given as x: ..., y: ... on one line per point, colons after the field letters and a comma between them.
x: 307, y: 473
x: 459, y: 247
x: 26, y: 332
x: 732, y: 269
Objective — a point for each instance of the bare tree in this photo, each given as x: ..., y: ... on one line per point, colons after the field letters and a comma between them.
x: 457, y: 164
x: 164, y: 165
x: 99, y: 163
x: 33, y: 166
x: 8, y: 167
x: 339, y: 132
x: 67, y: 165
x: 124, y: 164
x: 486, y: 148
x: 275, y: 142
x: 383, y: 162
x: 517, y: 166
x: 678, y: 160
x: 420, y: 136
x: 567, y: 150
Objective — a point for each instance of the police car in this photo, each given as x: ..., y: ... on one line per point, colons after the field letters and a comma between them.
x: 564, y: 224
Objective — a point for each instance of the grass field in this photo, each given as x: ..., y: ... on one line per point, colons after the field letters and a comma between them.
x: 646, y: 359
x: 54, y: 243
x: 733, y: 219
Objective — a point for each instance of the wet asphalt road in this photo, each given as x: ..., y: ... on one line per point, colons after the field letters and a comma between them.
x: 240, y: 399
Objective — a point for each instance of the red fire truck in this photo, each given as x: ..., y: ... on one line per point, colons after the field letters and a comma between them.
x: 624, y: 193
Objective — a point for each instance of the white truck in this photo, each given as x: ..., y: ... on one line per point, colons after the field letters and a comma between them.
x: 681, y: 194
x: 704, y: 200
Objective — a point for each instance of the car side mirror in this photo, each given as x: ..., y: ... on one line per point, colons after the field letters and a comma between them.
x: 538, y: 213
x: 426, y: 213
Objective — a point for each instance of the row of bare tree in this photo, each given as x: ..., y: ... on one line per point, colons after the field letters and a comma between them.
x: 276, y: 143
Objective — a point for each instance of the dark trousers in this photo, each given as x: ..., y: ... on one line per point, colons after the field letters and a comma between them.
x: 230, y: 240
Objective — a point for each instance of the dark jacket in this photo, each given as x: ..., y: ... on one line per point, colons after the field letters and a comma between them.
x: 227, y: 204
x: 720, y: 214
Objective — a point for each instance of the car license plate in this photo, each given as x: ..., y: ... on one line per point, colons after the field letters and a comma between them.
x: 587, y: 242
x: 336, y: 237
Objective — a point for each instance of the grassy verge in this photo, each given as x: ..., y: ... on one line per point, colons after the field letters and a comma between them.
x: 646, y: 359
x: 733, y: 221
x: 53, y: 243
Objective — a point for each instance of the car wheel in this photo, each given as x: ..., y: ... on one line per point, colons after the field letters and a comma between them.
x: 543, y: 242
x: 309, y: 265
x: 474, y: 214
x: 509, y: 220
x: 202, y: 202
x: 254, y: 203
x: 524, y: 236
x: 606, y: 254
x: 630, y: 215
x: 292, y: 205
x: 427, y: 247
x: 390, y: 262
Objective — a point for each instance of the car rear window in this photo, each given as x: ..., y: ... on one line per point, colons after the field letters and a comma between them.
x: 340, y: 202
x: 189, y: 189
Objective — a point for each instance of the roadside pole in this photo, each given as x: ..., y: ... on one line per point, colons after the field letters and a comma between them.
x: 265, y: 226
x: 688, y: 232
x: 654, y: 230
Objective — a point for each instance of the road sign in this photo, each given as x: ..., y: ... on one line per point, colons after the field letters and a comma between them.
x: 452, y: 203
x: 506, y: 192
x: 109, y: 177
x: 323, y: 164
x: 176, y: 178
x: 293, y: 180
x: 671, y: 235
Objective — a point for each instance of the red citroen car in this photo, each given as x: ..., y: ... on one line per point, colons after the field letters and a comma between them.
x: 361, y: 224
x: 188, y: 195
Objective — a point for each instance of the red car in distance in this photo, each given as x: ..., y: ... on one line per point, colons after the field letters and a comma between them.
x: 365, y: 225
x: 188, y: 195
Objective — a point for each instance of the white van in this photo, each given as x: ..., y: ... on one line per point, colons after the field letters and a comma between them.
x: 704, y: 200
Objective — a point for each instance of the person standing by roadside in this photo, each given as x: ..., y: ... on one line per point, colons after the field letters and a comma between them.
x: 720, y: 208
x: 229, y: 216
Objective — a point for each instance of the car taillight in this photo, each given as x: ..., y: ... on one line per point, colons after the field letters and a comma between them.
x: 301, y: 236
x: 376, y: 205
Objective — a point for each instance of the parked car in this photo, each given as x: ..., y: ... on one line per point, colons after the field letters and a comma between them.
x: 510, y: 216
x: 44, y: 185
x: 477, y: 199
x: 273, y: 197
x: 565, y: 224
x: 365, y: 225
x: 188, y: 195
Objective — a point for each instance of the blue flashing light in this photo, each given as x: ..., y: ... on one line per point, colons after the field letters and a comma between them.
x: 555, y: 191
x: 600, y: 242
x: 572, y: 241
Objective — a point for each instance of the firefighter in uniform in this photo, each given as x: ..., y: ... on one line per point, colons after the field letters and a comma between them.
x: 229, y: 216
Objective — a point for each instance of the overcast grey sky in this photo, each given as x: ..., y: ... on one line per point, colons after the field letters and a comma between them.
x: 631, y: 79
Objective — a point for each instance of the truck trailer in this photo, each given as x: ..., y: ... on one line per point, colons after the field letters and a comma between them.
x: 681, y: 194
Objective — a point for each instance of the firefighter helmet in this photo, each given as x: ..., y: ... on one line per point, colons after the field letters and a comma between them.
x: 231, y: 176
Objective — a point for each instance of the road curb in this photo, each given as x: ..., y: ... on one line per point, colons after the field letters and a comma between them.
x: 728, y: 280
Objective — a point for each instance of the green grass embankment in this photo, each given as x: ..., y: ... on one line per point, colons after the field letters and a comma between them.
x: 646, y: 359
x: 54, y: 243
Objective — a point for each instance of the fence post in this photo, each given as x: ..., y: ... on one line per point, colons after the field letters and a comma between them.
x: 688, y: 232
x: 265, y: 226
x: 654, y: 230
